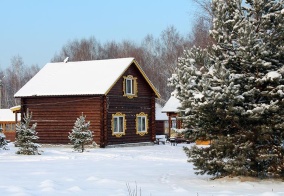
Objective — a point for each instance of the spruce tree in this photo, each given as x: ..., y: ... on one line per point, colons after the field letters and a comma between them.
x: 237, y: 99
x: 26, y: 137
x: 80, y: 135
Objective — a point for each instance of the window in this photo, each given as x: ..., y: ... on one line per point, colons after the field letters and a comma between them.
x: 118, y: 124
x: 174, y: 123
x: 141, y: 124
x: 130, y: 86
x: 9, y: 127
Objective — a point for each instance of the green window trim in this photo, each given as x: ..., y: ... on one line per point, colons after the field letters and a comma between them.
x: 130, y: 86
x: 118, y: 124
x: 142, y: 124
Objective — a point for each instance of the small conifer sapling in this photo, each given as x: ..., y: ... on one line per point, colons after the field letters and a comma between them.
x: 80, y: 135
x: 26, y: 137
x: 3, y: 141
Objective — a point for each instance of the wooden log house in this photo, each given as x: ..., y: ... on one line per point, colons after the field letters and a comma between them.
x: 115, y: 95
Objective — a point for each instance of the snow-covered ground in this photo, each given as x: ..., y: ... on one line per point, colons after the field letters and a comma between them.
x: 155, y: 170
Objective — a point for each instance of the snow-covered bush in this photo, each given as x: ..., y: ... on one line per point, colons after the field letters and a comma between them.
x: 26, y: 137
x: 80, y: 135
x: 3, y: 142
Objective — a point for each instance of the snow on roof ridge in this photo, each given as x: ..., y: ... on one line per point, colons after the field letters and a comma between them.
x: 114, y: 59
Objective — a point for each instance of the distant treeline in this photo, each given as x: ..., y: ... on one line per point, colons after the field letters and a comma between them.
x: 157, y: 56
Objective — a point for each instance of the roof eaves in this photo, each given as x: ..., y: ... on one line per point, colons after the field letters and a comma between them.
x: 65, y: 95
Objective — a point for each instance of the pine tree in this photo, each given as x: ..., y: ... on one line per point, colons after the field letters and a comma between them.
x: 237, y: 101
x: 80, y: 135
x: 26, y: 137
x: 3, y: 141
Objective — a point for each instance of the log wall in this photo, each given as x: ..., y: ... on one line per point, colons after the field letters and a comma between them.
x: 55, y: 116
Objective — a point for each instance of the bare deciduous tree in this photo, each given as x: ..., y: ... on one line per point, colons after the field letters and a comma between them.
x: 202, y: 24
x: 13, y: 78
x: 79, y: 50
x: 205, y: 11
x: 200, y: 33
x: 157, y: 56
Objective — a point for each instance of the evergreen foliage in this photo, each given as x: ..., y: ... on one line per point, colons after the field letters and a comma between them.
x: 233, y: 92
x: 80, y: 135
x: 3, y: 141
x: 26, y: 137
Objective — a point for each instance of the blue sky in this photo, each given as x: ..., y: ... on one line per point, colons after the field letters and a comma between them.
x: 37, y: 29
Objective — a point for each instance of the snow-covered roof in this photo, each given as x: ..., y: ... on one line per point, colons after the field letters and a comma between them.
x: 159, y: 114
x: 7, y: 115
x: 172, y: 104
x: 15, y: 108
x: 78, y: 78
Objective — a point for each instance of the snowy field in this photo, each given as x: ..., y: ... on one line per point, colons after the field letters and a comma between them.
x: 156, y: 170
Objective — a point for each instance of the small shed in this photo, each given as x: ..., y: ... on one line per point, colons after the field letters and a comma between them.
x: 171, y: 108
x: 172, y: 111
x: 8, y: 123
x: 161, y: 120
x: 116, y: 96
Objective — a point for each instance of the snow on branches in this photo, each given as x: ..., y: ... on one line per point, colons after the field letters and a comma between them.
x: 3, y: 141
x: 26, y: 137
x: 232, y: 92
x: 80, y: 135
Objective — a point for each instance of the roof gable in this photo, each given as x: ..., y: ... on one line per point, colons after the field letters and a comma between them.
x: 172, y: 104
x: 78, y: 78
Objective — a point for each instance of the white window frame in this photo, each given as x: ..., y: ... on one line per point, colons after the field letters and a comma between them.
x: 118, y: 124
x: 142, y: 124
x: 129, y: 86
x: 140, y: 119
